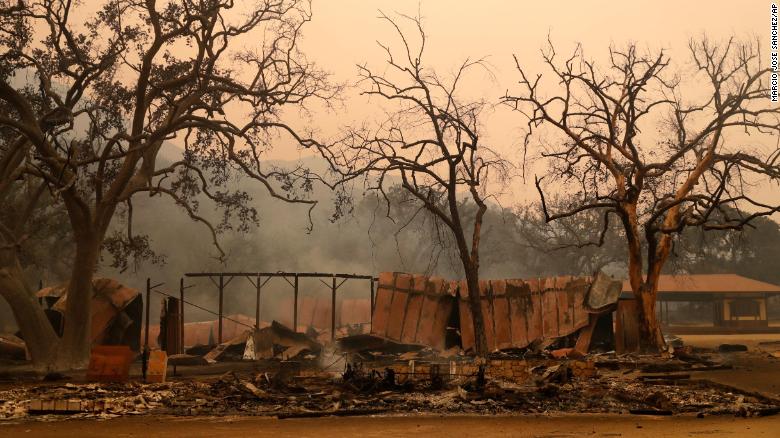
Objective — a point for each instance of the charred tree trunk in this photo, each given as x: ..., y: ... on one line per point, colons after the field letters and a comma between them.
x: 42, y: 342
x: 651, y: 339
x: 475, y: 305
x: 469, y: 256
x: 77, y: 335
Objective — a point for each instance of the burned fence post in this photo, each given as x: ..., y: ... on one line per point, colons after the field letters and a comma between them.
x: 170, y: 325
x: 258, y: 284
x: 221, y: 302
x: 372, y: 280
x: 148, y: 299
x: 259, y: 287
x: 181, y: 315
x: 295, y: 304
x: 333, y: 309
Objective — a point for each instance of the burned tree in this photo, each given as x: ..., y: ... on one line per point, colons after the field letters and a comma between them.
x: 88, y: 108
x: 430, y: 145
x: 659, y: 153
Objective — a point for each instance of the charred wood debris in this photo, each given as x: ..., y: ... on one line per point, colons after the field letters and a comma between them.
x: 413, y: 359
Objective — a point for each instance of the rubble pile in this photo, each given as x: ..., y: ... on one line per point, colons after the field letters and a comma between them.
x: 554, y: 348
x: 91, y: 400
x: 595, y: 384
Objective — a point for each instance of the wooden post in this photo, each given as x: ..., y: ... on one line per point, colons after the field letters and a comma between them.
x: 221, y: 296
x: 257, y: 308
x: 181, y: 315
x: 372, y: 300
x: 718, y: 312
x: 666, y: 312
x: 333, y: 310
x: 661, y: 311
x: 148, y: 299
x: 295, y: 305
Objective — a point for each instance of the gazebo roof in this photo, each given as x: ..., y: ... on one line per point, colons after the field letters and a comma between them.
x: 710, y: 283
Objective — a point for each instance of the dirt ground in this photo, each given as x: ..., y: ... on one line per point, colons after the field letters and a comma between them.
x: 428, y: 426
x: 762, y: 376
x: 713, y: 341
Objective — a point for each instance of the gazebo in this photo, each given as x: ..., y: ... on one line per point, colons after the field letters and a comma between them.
x: 713, y: 303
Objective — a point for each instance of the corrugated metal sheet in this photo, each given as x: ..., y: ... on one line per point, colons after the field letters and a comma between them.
x: 107, y: 289
x: 109, y: 299
x: 517, y: 312
x: 354, y: 311
x: 412, y: 309
x: 315, y: 312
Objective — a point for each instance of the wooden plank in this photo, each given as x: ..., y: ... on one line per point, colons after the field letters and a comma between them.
x: 414, y: 305
x: 581, y: 317
x: 438, y: 338
x: 586, y: 335
x: 520, y: 310
x: 565, y: 312
x: 550, y: 314
x: 466, y: 321
x: 502, y: 318
x: 382, y: 302
x: 403, y: 281
x: 536, y: 326
x: 430, y: 303
x: 395, y: 323
x: 486, y: 303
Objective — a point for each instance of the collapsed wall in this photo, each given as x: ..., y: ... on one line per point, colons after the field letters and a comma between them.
x: 417, y: 309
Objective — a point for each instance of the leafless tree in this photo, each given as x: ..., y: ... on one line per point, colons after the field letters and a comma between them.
x: 578, y: 247
x: 659, y: 151
x: 430, y: 141
x: 89, y: 103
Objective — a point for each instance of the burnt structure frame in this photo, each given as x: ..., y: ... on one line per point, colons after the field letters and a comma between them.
x: 260, y: 279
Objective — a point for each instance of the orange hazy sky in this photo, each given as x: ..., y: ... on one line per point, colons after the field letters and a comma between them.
x: 344, y: 33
